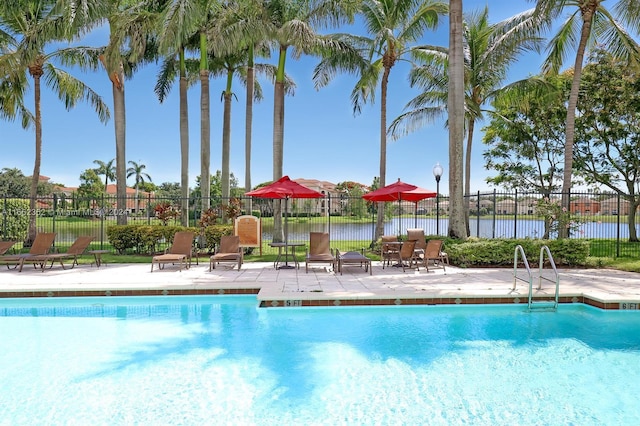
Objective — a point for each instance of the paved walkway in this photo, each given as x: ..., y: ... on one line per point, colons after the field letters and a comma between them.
x: 604, y: 288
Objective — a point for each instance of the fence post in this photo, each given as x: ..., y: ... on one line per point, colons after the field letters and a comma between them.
x: 4, y: 217
x: 148, y: 209
x: 102, y: 216
x: 53, y: 219
x: 478, y: 214
x: 618, y: 228
x: 493, y: 226
x: 329, y: 214
x: 515, y: 215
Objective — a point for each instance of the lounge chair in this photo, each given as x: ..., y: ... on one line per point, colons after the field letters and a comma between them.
x: 41, y: 246
x: 319, y: 250
x: 353, y: 258
x: 434, y: 253
x: 389, y: 249
x: 78, y: 248
x: 229, y: 250
x: 5, y: 246
x: 180, y: 252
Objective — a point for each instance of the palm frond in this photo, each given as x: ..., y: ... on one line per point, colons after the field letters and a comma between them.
x: 70, y: 90
x: 413, y: 120
x: 561, y: 43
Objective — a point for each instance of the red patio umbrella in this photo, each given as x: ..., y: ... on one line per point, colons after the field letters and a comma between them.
x: 400, y: 191
x: 285, y: 188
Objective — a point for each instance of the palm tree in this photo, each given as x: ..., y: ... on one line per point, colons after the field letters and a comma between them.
x: 247, y: 29
x: 393, y: 26
x: 131, y: 28
x: 186, y: 19
x: 107, y: 169
x: 136, y: 170
x: 35, y: 29
x: 489, y: 51
x: 290, y: 24
x: 230, y: 66
x: 175, y: 35
x: 594, y: 24
x: 455, y: 106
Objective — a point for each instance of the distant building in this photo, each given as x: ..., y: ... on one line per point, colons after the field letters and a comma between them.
x: 610, y: 206
x: 584, y: 206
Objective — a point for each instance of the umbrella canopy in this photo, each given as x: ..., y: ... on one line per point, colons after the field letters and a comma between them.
x: 284, y: 188
x: 399, y: 191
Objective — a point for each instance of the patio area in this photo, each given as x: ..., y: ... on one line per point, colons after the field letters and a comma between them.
x: 606, y: 289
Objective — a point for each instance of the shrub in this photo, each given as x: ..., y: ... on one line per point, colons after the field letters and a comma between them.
x: 142, y: 238
x: 500, y: 252
x: 212, y: 235
x: 14, y: 219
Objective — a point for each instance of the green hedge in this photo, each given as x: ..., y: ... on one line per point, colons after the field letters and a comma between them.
x: 500, y: 252
x: 147, y: 239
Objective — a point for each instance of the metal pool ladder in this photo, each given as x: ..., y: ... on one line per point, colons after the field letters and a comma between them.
x: 538, y: 304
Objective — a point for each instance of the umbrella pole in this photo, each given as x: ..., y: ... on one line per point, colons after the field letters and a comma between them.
x: 286, y: 238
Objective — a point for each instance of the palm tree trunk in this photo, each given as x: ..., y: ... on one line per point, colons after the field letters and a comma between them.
x: 184, y: 144
x: 383, y: 148
x: 278, y: 140
x: 226, y: 144
x: 248, y: 131
x: 35, y: 178
x: 571, y: 115
x: 457, y: 228
x: 205, y: 127
x: 467, y: 174
x: 119, y: 121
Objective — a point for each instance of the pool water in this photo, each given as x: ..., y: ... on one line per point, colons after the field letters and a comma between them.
x: 222, y: 360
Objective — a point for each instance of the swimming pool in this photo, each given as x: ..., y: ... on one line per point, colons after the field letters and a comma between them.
x: 221, y: 360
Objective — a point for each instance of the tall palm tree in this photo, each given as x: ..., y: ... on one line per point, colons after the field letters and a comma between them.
x: 132, y: 26
x: 247, y: 29
x: 393, y: 25
x: 137, y: 171
x: 35, y: 30
x: 455, y: 106
x: 292, y: 25
x: 489, y: 51
x: 589, y: 23
x: 175, y: 36
x: 107, y: 169
x: 194, y: 18
x: 232, y: 66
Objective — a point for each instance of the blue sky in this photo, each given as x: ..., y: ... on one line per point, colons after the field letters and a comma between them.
x: 323, y: 139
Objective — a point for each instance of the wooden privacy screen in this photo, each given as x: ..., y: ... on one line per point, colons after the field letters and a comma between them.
x: 249, y: 229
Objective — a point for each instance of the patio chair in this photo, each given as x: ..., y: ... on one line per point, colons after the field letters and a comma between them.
x: 180, y: 251
x: 41, y: 246
x: 433, y: 253
x: 389, y: 252
x: 405, y: 256
x: 5, y: 246
x: 417, y: 234
x: 78, y: 248
x: 229, y: 250
x: 319, y: 250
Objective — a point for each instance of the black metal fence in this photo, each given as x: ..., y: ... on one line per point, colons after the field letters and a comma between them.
x: 600, y: 217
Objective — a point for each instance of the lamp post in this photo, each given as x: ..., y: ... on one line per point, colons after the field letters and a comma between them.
x: 437, y: 173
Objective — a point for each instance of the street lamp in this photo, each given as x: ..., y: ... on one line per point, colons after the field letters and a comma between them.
x: 437, y: 173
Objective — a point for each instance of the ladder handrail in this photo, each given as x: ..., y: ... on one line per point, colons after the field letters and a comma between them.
x: 545, y: 249
x: 520, y: 250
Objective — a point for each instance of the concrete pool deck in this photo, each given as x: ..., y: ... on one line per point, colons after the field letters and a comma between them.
x: 603, y: 288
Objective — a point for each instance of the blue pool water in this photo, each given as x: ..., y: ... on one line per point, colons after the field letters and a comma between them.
x: 221, y: 360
